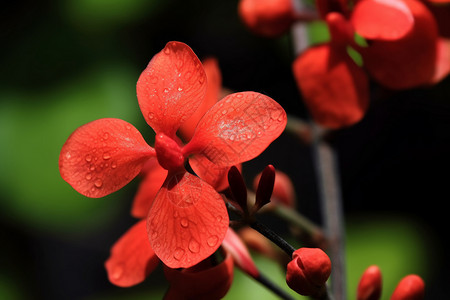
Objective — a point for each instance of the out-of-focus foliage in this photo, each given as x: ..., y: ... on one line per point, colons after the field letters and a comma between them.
x: 34, y: 126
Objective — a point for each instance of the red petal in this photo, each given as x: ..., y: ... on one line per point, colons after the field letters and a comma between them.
x: 132, y: 258
x: 442, y: 68
x: 187, y: 221
x: 382, y: 19
x: 408, y: 62
x: 148, y: 188
x: 214, y: 78
x: 236, y: 247
x: 267, y: 18
x: 102, y: 156
x: 334, y: 88
x: 199, y: 282
x: 211, y: 173
x: 171, y: 88
x: 238, y: 128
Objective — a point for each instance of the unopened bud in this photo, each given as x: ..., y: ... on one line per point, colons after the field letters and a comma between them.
x: 410, y: 287
x: 308, y: 271
x: 369, y: 287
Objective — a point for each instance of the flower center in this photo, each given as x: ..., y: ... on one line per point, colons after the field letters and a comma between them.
x: 168, y: 152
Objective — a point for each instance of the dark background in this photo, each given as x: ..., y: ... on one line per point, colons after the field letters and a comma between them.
x: 64, y: 63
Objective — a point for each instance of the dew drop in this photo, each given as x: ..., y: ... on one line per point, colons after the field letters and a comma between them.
x: 106, y: 156
x: 88, y: 176
x: 212, y: 240
x: 175, y: 214
x: 154, y: 234
x: 117, y: 272
x: 178, y: 254
x: 153, y: 79
x: 232, y: 137
x: 184, y: 223
x: 68, y: 155
x: 201, y: 80
x: 105, y: 135
x: 180, y: 89
x: 98, y: 183
x: 219, y: 218
x: 88, y: 158
x: 166, y: 90
x: 113, y: 166
x: 92, y: 168
x: 167, y: 50
x: 151, y: 115
x: 194, y: 246
x: 239, y: 95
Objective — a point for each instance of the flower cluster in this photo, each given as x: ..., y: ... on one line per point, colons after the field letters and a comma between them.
x: 399, y: 42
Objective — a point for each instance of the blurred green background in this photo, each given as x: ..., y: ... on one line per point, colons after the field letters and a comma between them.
x: 65, y: 63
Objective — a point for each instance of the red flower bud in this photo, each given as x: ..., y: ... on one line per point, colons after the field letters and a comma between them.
x: 308, y: 271
x: 369, y: 287
x: 410, y: 287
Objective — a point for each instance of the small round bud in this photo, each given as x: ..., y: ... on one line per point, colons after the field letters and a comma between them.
x: 308, y: 271
x: 369, y: 287
x: 410, y: 287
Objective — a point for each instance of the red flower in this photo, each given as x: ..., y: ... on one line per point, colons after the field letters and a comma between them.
x: 188, y: 218
x: 335, y: 89
x: 369, y: 287
x: 153, y: 175
x: 308, y: 271
x: 409, y: 59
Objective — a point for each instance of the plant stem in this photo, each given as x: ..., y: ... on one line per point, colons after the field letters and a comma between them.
x: 331, y: 203
x: 273, y: 287
x: 275, y: 238
x: 314, y: 232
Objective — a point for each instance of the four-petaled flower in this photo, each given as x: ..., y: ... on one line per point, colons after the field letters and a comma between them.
x: 188, y: 218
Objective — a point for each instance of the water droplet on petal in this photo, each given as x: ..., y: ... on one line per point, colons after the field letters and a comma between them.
x: 194, y: 246
x: 106, y: 156
x: 92, y: 168
x: 180, y: 89
x: 184, y: 223
x: 88, y: 176
x: 167, y: 50
x: 212, y: 240
x: 88, y: 158
x: 151, y: 115
x: 166, y: 90
x: 105, y: 135
x: 153, y: 79
x: 178, y: 253
x: 98, y: 183
x: 113, y: 165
